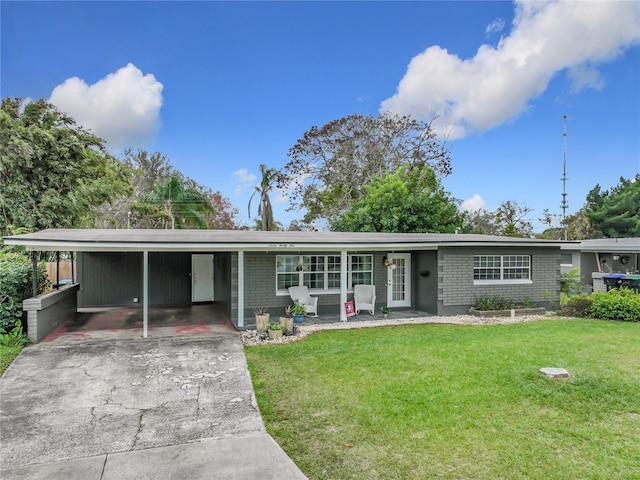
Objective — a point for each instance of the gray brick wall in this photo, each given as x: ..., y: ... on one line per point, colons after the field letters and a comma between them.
x: 456, y: 291
x: 260, y: 285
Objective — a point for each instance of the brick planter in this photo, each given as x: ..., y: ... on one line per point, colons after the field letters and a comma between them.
x: 507, y: 313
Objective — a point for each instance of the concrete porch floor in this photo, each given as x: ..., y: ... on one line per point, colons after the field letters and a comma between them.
x: 108, y: 323
x: 323, y: 319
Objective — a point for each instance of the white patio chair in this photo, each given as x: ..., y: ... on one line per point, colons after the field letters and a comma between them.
x: 301, y: 295
x: 364, y: 297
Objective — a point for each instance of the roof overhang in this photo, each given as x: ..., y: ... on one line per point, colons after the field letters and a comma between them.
x: 88, y: 240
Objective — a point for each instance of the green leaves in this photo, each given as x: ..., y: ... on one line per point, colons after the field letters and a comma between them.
x: 409, y: 200
x: 615, y: 213
x: 53, y: 173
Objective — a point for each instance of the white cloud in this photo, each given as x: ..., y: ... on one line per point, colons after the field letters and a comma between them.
x: 474, y: 203
x: 496, y: 26
x: 497, y: 84
x: 123, y: 107
x: 244, y: 179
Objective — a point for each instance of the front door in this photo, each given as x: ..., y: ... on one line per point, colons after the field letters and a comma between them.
x: 202, y: 278
x: 399, y: 280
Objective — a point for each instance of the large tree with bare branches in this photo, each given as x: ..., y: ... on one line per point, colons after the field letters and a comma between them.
x: 329, y: 166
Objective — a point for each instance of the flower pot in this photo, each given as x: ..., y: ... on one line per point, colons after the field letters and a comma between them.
x: 275, y: 334
x: 287, y: 324
x: 298, y: 318
x: 262, y: 322
x: 385, y: 315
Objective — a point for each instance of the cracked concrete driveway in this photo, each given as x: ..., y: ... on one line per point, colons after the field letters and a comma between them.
x: 96, y: 400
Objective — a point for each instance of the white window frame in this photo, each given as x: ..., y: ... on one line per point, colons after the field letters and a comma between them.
x: 503, y: 268
x: 564, y: 264
x: 326, y: 290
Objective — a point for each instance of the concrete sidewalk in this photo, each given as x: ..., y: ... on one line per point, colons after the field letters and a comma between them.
x: 156, y: 408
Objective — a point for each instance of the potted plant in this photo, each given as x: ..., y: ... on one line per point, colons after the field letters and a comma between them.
x: 262, y: 318
x: 385, y: 312
x: 299, y: 311
x: 275, y: 331
x: 287, y: 321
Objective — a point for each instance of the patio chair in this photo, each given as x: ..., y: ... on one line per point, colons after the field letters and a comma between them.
x: 364, y: 297
x: 301, y: 295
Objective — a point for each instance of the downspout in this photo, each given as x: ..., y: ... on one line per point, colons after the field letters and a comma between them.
x: 343, y: 284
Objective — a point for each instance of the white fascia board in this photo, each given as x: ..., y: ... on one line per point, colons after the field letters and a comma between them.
x: 205, y: 247
x: 64, y: 246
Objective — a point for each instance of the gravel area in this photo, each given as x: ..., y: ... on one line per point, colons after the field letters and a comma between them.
x: 252, y: 337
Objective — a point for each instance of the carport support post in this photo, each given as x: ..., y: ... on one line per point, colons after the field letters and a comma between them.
x: 240, y: 288
x: 343, y: 284
x: 145, y: 294
x: 34, y: 266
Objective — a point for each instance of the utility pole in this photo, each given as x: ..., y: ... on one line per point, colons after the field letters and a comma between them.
x: 564, y: 205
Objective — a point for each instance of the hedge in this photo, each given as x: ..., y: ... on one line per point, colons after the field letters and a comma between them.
x: 16, y: 274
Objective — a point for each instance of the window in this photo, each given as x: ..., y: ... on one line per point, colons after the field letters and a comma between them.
x: 502, y: 268
x: 566, y: 259
x: 321, y: 273
x: 361, y: 271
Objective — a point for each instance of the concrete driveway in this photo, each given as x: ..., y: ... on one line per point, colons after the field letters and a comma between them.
x: 156, y: 408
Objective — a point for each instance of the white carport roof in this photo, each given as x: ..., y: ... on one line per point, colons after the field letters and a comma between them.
x: 248, y: 240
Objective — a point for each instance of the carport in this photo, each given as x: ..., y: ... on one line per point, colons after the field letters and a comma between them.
x: 135, y: 269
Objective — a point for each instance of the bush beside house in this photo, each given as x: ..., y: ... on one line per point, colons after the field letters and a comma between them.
x: 16, y: 284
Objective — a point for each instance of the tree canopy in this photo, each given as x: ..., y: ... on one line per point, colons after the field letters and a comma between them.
x: 136, y: 210
x: 410, y: 199
x: 510, y: 220
x: 175, y: 204
x: 330, y: 166
x: 615, y: 213
x: 53, y: 173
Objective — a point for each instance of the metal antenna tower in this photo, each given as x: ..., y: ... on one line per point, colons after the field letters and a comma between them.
x: 564, y: 205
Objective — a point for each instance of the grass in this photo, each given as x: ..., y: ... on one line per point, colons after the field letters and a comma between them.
x: 7, y: 354
x: 452, y: 402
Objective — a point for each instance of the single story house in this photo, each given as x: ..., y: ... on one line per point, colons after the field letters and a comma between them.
x: 596, y: 258
x: 441, y: 274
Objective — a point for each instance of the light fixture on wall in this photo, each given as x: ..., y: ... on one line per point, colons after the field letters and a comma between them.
x: 616, y: 258
x: 387, y: 263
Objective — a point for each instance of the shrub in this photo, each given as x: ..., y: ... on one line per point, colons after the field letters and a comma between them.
x: 494, y: 303
x: 616, y: 304
x: 577, y: 306
x: 16, y: 285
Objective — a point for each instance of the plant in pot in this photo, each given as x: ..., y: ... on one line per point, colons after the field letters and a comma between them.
x: 299, y: 311
x: 385, y: 312
x: 275, y: 331
x: 287, y: 321
x: 262, y: 318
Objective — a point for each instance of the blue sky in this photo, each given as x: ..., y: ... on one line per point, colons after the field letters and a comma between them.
x: 221, y: 87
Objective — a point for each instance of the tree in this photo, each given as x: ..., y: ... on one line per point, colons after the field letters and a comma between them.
x: 146, y: 170
x: 330, y: 166
x: 53, y: 173
x: 480, y: 222
x: 176, y: 204
x: 615, y: 213
x: 265, y: 212
x: 512, y: 221
x: 408, y: 200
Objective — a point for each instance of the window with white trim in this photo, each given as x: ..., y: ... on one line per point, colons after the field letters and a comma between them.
x: 321, y: 273
x: 502, y: 268
x: 566, y: 259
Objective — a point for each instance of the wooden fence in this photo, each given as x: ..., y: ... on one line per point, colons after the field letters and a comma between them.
x: 65, y: 271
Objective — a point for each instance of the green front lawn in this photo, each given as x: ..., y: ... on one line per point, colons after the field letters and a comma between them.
x: 444, y: 401
x: 7, y: 354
